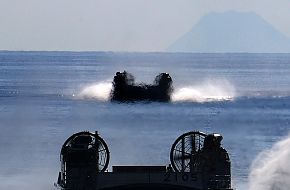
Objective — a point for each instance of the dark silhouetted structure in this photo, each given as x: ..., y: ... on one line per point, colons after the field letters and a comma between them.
x: 198, y: 162
x: 125, y: 89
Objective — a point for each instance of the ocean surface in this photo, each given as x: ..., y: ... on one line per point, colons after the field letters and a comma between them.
x: 45, y: 97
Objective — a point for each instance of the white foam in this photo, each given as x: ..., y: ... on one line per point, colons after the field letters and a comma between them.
x: 205, y: 92
x: 99, y: 91
x: 271, y: 169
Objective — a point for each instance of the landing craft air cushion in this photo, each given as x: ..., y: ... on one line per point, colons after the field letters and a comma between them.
x: 125, y: 88
x: 198, y: 162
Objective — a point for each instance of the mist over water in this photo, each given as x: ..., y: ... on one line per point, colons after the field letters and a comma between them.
x: 206, y: 91
x: 271, y: 169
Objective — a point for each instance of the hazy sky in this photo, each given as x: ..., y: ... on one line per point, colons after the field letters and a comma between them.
x: 117, y: 25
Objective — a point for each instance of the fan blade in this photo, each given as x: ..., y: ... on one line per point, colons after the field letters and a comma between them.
x: 180, y: 157
x: 176, y: 150
x: 183, y: 154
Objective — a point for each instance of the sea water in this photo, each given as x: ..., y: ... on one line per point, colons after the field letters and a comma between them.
x: 47, y: 96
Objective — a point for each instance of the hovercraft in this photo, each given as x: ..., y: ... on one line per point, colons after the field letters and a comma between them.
x: 198, y: 162
x: 125, y: 88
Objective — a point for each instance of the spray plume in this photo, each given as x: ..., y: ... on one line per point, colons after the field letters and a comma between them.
x: 99, y: 91
x: 208, y: 91
x: 271, y: 169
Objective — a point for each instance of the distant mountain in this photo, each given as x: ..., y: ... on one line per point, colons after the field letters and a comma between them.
x: 232, y: 32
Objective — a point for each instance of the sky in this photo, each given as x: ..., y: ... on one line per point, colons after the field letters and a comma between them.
x: 117, y: 25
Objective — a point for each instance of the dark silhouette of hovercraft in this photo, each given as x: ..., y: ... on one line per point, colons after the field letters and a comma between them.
x: 125, y: 89
x: 197, y: 162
